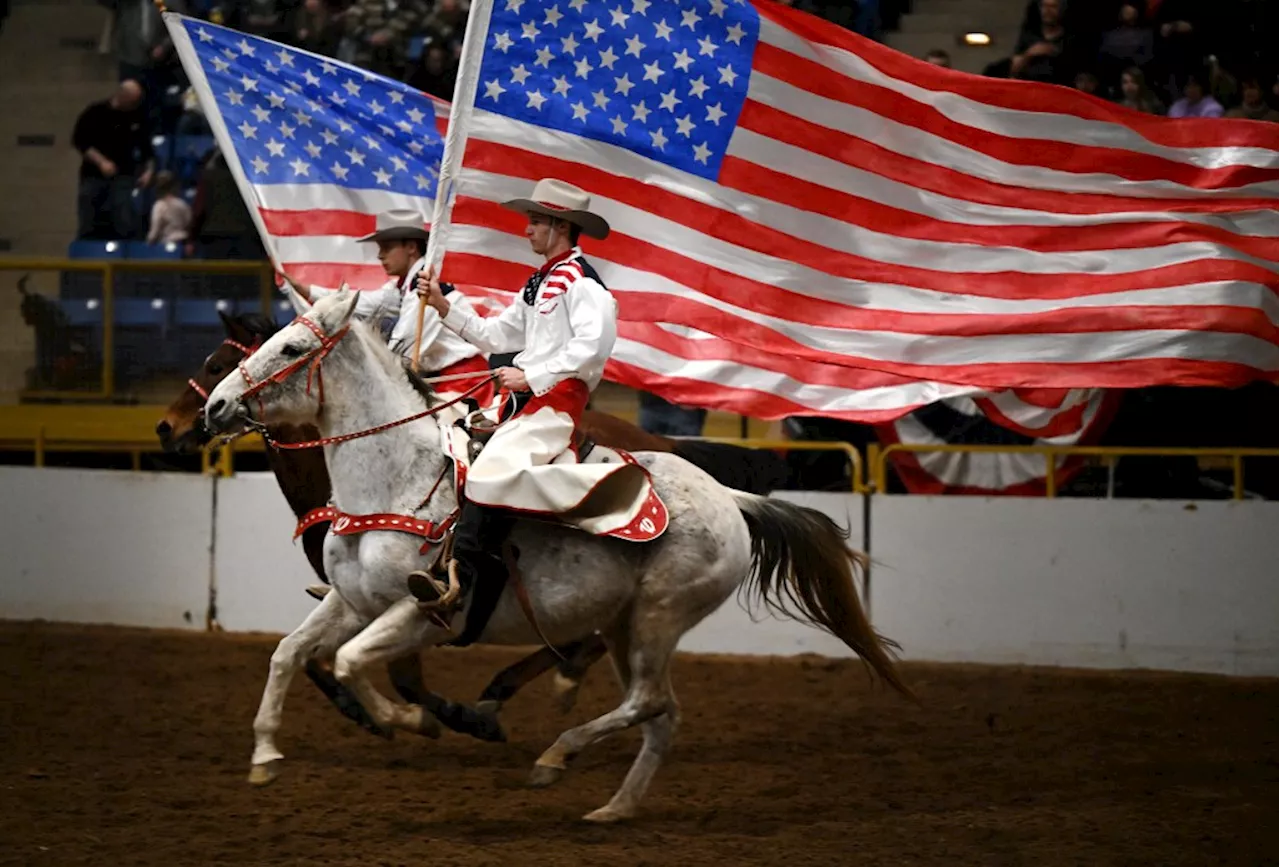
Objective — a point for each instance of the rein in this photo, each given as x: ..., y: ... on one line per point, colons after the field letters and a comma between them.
x: 314, y: 358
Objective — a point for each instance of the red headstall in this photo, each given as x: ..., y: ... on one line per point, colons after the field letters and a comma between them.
x: 314, y: 357
x: 245, y: 350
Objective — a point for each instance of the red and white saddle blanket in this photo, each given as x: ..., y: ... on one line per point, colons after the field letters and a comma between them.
x: 530, y: 465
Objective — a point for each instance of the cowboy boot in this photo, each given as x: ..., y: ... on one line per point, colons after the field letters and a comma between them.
x: 478, y: 531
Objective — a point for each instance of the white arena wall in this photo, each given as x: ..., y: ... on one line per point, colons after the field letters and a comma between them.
x: 1092, y: 583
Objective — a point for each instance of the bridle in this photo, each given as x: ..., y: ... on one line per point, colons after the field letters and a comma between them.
x: 246, y: 351
x: 312, y: 359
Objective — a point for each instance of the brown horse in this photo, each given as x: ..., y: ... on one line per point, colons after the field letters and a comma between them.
x: 304, y: 481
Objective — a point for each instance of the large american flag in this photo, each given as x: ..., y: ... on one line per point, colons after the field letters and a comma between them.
x: 318, y: 147
x: 806, y: 222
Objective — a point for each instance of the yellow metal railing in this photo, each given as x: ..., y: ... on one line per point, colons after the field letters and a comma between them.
x: 858, y: 485
x: 108, y: 268
x: 877, y: 458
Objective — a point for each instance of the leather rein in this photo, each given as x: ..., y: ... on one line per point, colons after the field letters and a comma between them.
x: 312, y: 361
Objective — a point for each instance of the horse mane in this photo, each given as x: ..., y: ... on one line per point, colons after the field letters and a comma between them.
x: 256, y: 324
x: 391, y: 362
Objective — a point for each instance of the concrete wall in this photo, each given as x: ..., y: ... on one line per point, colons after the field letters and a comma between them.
x: 1107, y: 584
x: 93, y: 546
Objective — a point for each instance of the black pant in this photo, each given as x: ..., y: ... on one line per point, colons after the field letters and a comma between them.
x: 477, y: 543
x: 106, y: 208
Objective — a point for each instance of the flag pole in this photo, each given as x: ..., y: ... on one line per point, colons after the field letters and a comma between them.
x: 455, y: 143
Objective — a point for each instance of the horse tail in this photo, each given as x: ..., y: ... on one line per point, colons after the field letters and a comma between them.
x: 803, y: 568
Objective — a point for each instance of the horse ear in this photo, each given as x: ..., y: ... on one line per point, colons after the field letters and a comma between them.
x: 227, y: 323
x: 347, y: 306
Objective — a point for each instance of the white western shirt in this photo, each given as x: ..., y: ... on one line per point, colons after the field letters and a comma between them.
x: 393, y: 310
x: 567, y: 332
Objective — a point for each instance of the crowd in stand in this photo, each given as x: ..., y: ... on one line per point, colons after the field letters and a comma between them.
x: 1181, y: 58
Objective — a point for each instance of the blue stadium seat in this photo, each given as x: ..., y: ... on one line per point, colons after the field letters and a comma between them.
x: 188, y: 153
x: 162, y: 146
x: 413, y: 52
x: 284, y: 312
x: 201, y: 312
x: 82, y: 311
x: 143, y: 250
x: 85, y: 249
x: 141, y: 312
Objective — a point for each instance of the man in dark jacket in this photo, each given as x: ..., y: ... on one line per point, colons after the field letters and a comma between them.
x: 112, y: 138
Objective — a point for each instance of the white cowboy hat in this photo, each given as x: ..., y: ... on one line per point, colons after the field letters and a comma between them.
x: 398, y: 225
x: 553, y: 198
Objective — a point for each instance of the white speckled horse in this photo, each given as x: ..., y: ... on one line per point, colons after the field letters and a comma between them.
x: 641, y: 597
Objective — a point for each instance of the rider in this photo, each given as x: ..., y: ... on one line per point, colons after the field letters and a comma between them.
x: 392, y: 309
x: 563, y: 326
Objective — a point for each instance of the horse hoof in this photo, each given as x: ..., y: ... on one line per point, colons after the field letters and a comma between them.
x: 488, y: 707
x: 318, y: 591
x: 566, y: 692
x: 607, y: 816
x: 428, y: 726
x: 489, y: 728
x: 544, y: 775
x: 264, y: 775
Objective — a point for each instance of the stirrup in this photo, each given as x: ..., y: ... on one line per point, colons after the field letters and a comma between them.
x: 432, y: 593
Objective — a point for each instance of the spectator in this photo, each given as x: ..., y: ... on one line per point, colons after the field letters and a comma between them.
x: 1195, y: 102
x: 269, y: 19
x: 319, y: 28
x: 1135, y: 94
x: 436, y: 72
x: 220, y: 222
x: 1252, y: 105
x: 1087, y: 82
x: 379, y: 32
x: 1130, y: 44
x: 1181, y: 41
x: 938, y: 57
x: 143, y: 48
x: 112, y: 138
x: 1043, y: 53
x: 446, y: 25
x: 657, y: 416
x: 170, y: 215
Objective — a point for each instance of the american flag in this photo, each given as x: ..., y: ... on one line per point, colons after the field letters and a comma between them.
x: 318, y: 147
x: 809, y: 223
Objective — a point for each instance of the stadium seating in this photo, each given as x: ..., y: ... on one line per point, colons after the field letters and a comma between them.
x: 87, y: 249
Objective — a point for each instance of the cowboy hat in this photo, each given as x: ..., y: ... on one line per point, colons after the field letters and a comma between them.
x: 398, y: 225
x: 553, y: 198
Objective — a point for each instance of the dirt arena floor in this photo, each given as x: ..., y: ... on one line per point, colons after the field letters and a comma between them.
x: 126, y: 747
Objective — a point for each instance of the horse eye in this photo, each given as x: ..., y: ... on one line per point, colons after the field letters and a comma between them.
x: 214, y: 368
x: 291, y: 351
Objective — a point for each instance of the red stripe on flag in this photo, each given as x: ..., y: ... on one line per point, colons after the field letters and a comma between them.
x: 862, y: 154
x: 1057, y: 155
x: 1021, y: 95
x: 318, y: 222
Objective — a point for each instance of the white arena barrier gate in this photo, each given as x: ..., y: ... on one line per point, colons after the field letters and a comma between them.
x: 101, y: 546
x: 1093, y: 583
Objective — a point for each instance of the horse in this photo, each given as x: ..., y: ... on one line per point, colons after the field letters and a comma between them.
x: 304, y: 481
x: 641, y: 597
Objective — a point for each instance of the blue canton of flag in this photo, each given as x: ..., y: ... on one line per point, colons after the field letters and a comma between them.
x: 298, y: 118
x: 661, y: 78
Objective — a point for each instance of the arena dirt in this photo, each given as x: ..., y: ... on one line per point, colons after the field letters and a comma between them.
x: 126, y: 747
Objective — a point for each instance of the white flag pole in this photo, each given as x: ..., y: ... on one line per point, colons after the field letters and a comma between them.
x: 455, y: 144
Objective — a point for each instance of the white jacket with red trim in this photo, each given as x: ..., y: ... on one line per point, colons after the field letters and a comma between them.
x: 564, y: 325
x: 392, y: 308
